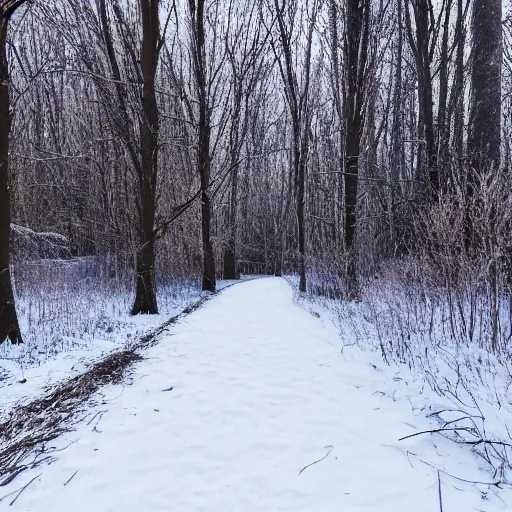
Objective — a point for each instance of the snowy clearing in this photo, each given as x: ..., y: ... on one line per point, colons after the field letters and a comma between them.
x: 260, y: 391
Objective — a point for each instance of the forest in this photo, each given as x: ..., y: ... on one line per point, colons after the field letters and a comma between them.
x: 151, y: 150
x: 358, y: 145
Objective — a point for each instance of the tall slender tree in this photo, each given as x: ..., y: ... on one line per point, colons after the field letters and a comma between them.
x: 422, y: 35
x: 485, y: 128
x: 204, y: 130
x: 297, y: 82
x: 9, y: 326
x: 457, y: 93
x: 145, y: 298
x: 357, y: 28
x: 244, y: 47
x: 143, y: 152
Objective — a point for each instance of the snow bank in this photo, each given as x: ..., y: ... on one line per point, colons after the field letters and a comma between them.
x: 461, y: 388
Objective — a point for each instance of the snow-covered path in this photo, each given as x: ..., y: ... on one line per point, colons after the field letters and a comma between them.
x: 260, y: 390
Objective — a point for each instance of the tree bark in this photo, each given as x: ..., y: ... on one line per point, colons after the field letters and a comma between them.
x: 9, y: 326
x: 142, y: 147
x: 209, y: 278
x: 485, y: 128
x: 421, y: 46
x: 299, y: 103
x: 196, y: 9
x: 300, y: 219
x: 356, y: 55
x: 458, y: 89
x: 145, y: 297
x: 485, y: 123
x: 442, y: 111
x: 230, y: 269
x: 396, y: 129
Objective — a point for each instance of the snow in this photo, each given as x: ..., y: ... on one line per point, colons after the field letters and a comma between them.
x: 261, y: 390
x: 455, y: 381
x: 27, y: 370
x: 24, y: 376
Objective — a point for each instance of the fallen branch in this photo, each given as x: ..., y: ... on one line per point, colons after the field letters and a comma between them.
x: 439, y: 491
x: 71, y: 477
x: 496, y: 483
x: 436, y: 431
x: 22, y: 489
x: 319, y: 460
x: 32, y: 426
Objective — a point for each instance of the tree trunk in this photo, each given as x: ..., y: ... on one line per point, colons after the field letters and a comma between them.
x: 396, y: 153
x: 337, y: 234
x: 427, y: 107
x: 396, y: 130
x: 145, y: 291
x: 230, y: 270
x: 485, y: 123
x: 485, y: 129
x: 352, y: 140
x: 420, y: 46
x: 442, y: 118
x: 356, y: 55
x: 9, y: 327
x: 204, y: 133
x: 299, y: 104
x: 300, y: 221
x: 458, y: 89
x: 145, y: 297
x: 209, y: 279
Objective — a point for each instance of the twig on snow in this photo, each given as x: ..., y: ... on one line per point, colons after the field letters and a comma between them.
x: 319, y: 460
x: 23, y: 488
x: 476, y: 482
x: 73, y: 476
x: 95, y: 416
x: 439, y: 491
x: 437, y: 430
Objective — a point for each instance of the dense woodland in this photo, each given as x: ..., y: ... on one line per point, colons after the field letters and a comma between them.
x: 363, y: 145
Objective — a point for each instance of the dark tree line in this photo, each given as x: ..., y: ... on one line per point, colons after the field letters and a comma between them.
x: 202, y: 139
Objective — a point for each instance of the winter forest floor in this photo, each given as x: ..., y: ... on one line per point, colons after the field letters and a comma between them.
x: 266, y: 413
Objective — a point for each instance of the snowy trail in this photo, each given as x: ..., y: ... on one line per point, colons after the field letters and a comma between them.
x: 260, y: 390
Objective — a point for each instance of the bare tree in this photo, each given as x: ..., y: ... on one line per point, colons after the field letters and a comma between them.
x: 145, y: 159
x: 9, y: 326
x: 457, y: 93
x: 357, y: 27
x: 297, y: 81
x: 129, y: 99
x: 145, y: 298
x: 244, y: 47
x: 422, y: 37
x: 202, y: 87
x: 485, y: 133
